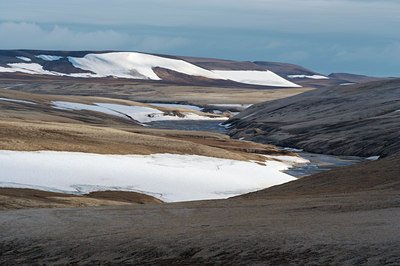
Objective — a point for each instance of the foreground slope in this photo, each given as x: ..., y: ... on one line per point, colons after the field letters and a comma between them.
x: 361, y: 120
x: 381, y: 176
x: 353, y: 221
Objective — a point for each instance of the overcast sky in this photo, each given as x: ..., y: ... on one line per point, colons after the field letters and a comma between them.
x: 357, y: 36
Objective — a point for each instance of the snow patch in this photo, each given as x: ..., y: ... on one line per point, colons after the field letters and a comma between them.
x: 307, y: 76
x: 372, y: 158
x: 292, y: 149
x: 266, y: 78
x: 141, y: 114
x: 172, y: 105
x: 46, y: 57
x: 17, y: 101
x: 29, y: 68
x: 172, y: 177
x: 230, y: 105
x: 23, y: 58
x: 285, y: 162
x: 37, y: 69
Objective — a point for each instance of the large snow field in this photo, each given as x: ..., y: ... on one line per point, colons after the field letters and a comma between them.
x: 169, y: 177
x: 136, y: 65
x: 141, y: 114
x: 266, y: 78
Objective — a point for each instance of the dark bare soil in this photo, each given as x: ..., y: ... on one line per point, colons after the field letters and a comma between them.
x: 360, y: 120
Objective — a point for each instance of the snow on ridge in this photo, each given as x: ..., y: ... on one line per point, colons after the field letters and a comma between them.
x: 136, y: 65
x: 307, y: 76
x: 170, y: 177
x: 29, y: 68
x: 37, y: 69
x: 46, y: 57
x: 256, y: 77
x: 23, y: 58
x: 141, y: 114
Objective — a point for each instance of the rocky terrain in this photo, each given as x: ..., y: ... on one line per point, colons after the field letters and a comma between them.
x: 361, y: 120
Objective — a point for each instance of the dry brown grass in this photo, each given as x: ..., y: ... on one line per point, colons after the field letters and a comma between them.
x: 151, y: 91
x: 35, y: 135
x: 21, y: 198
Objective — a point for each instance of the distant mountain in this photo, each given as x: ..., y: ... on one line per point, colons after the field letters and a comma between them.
x: 135, y: 65
x: 166, y: 68
x: 309, y: 78
x: 294, y: 73
x: 353, y: 78
x: 361, y: 120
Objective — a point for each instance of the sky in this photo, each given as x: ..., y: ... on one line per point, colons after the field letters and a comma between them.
x: 354, y: 36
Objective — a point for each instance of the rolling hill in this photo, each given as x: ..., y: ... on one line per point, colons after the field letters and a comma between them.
x: 361, y: 120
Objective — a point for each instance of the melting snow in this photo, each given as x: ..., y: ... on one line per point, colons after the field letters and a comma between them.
x: 26, y: 59
x: 372, y: 158
x: 266, y: 78
x: 307, y: 76
x: 185, y: 106
x: 141, y: 114
x: 230, y: 105
x: 17, y: 101
x: 49, y: 57
x: 170, y: 177
x: 285, y: 161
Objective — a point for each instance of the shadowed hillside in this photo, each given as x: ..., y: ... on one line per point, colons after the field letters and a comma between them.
x: 361, y: 120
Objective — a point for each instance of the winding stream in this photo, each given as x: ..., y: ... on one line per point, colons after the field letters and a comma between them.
x: 318, y: 162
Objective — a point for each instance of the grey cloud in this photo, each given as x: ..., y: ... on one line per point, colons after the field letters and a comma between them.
x: 280, y: 15
x: 29, y: 35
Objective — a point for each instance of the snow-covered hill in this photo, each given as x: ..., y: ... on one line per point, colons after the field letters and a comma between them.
x: 130, y: 65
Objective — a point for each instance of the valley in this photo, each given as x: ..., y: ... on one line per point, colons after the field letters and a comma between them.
x: 136, y: 158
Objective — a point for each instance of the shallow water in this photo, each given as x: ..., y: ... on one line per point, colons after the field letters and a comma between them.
x: 322, y: 162
x: 194, y: 125
x: 318, y: 162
